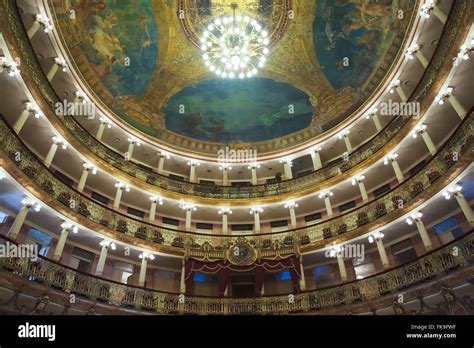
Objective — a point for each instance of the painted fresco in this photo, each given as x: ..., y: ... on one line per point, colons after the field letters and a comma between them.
x: 238, y: 110
x: 358, y: 30
x: 120, y: 40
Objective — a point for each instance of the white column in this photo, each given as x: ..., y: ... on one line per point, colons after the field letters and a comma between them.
x: 192, y: 172
x: 254, y: 174
x: 154, y: 201
x: 378, y: 125
x: 161, y: 163
x: 466, y: 209
x: 21, y: 120
x: 40, y: 22
x: 132, y: 142
x: 429, y: 143
x: 463, y: 203
x: 118, y: 195
x: 377, y: 237
x: 52, y: 150
x: 291, y: 206
x: 347, y: 141
x: 460, y: 110
x: 188, y: 219
x: 421, y: 230
x: 182, y: 283
x: 401, y: 94
x: 327, y: 202
x: 382, y: 253
x: 225, y: 175
x: 225, y: 219
x: 58, y: 63
x: 102, y: 258
x: 395, y: 86
x: 287, y: 169
x: 422, y: 59
x: 316, y: 158
x: 302, y: 278
x: 359, y: 180
x: 66, y: 228
x: 33, y: 29
x: 85, y: 173
x: 392, y: 158
x: 103, y: 124
x: 438, y: 13
x: 21, y: 217
x: 342, y: 266
x: 18, y: 223
x: 142, y: 276
x: 189, y: 208
x: 256, y: 217
x: 225, y: 224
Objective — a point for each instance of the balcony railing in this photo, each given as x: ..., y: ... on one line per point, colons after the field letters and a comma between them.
x: 457, y: 148
x: 443, y: 261
x: 32, y: 67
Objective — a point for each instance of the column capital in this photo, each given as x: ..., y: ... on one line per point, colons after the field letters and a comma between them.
x: 326, y: 194
x: 416, y: 217
x: 444, y: 94
x: 371, y: 113
x: 452, y: 191
x: 420, y: 129
x: 256, y: 210
x: 105, y: 121
x: 44, y: 22
x: 193, y: 163
x: 88, y: 167
x: 122, y: 186
x: 10, y: 67
x: 156, y: 199
x: 107, y: 243
x: 357, y: 179
x: 291, y: 205
x: 392, y: 157
x: 146, y: 256
x: 188, y: 207
x: 377, y: 236
x: 393, y: 84
x: 69, y: 227
x: 411, y: 51
x: 225, y: 211
x: 58, y: 140
x: 344, y: 133
x: 61, y: 62
x: 134, y: 141
x: 31, y: 204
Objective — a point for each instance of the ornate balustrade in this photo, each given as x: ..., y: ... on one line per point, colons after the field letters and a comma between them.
x: 453, y: 257
x: 457, y: 150
x: 333, y: 169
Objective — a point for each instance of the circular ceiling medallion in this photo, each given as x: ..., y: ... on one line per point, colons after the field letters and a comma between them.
x: 234, y: 46
x: 195, y: 16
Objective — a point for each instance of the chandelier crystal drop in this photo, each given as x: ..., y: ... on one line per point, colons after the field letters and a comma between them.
x: 235, y: 46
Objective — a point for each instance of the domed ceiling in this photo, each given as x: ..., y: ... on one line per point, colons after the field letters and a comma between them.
x: 142, y: 59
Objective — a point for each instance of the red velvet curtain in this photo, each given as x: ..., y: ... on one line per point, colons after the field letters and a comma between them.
x: 222, y: 270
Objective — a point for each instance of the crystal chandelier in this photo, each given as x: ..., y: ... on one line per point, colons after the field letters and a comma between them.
x: 235, y: 46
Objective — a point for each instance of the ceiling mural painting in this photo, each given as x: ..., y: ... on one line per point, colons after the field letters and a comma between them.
x: 358, y: 31
x: 120, y: 40
x: 238, y: 110
x: 305, y: 62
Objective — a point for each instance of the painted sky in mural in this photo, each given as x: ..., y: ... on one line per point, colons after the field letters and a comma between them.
x: 114, y: 33
x: 238, y: 110
x: 358, y: 30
